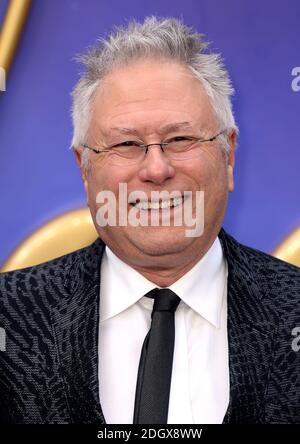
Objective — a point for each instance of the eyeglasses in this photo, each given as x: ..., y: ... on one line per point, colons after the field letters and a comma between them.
x: 131, y: 151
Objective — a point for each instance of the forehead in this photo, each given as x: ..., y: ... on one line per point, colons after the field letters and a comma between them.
x: 151, y: 92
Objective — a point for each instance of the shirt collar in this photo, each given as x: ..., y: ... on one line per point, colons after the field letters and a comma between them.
x: 202, y: 288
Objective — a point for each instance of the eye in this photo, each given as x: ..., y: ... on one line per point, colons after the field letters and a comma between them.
x: 126, y: 144
x: 179, y: 139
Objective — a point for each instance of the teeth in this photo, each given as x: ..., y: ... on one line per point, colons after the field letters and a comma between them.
x: 154, y: 205
x: 145, y: 205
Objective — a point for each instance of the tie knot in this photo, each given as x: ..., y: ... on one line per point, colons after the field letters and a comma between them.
x: 164, y: 299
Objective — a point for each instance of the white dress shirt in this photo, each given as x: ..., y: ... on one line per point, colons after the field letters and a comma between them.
x: 199, y: 391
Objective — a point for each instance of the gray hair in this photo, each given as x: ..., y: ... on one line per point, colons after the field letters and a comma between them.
x: 165, y: 38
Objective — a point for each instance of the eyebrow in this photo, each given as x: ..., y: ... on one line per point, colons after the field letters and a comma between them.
x: 170, y: 127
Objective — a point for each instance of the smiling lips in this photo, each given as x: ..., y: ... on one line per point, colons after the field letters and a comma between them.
x: 156, y: 205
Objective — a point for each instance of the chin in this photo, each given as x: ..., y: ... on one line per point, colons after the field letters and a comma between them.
x: 161, y: 241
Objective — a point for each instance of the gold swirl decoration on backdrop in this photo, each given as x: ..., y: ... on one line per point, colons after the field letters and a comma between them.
x: 14, y: 21
x: 68, y: 232
x: 289, y: 249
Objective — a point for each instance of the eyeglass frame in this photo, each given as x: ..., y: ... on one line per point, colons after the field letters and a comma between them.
x: 162, y: 144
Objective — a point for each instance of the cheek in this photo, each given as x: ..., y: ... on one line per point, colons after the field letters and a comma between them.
x: 100, y: 178
x: 95, y: 182
x: 207, y: 173
x: 213, y: 178
x: 107, y: 180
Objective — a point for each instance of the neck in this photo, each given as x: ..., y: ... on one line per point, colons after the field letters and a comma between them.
x: 166, y: 276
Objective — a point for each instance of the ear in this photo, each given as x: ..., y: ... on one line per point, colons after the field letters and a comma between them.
x: 231, y: 159
x: 78, y: 157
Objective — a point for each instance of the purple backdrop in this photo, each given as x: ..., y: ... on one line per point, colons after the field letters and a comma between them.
x: 259, y: 40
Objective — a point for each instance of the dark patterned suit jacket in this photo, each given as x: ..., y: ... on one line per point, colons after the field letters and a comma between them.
x: 50, y: 316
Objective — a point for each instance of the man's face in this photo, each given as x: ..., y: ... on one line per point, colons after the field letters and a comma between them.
x: 148, y: 97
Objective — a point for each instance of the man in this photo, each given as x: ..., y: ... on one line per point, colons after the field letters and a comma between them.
x: 152, y: 115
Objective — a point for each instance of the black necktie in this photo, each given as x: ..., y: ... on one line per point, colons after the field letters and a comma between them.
x: 155, y: 368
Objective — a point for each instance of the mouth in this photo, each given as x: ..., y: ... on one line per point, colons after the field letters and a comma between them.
x: 161, y: 204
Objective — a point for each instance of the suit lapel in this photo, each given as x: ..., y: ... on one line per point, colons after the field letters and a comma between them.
x: 76, y: 322
x: 251, y: 334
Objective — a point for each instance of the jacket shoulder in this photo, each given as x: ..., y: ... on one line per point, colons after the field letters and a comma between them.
x: 257, y: 259
x: 277, y: 280
x: 46, y: 279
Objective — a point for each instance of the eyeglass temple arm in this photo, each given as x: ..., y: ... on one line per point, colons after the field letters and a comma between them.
x: 94, y: 149
x: 212, y: 138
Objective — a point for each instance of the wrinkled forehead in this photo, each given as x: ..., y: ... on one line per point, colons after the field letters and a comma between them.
x: 147, y: 92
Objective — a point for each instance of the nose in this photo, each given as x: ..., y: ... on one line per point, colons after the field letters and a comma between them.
x: 156, y: 166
